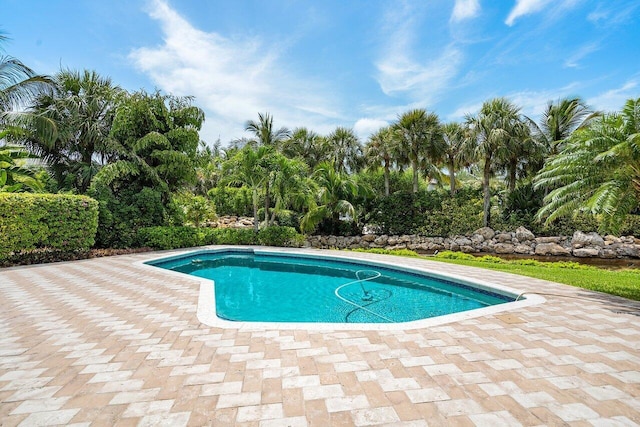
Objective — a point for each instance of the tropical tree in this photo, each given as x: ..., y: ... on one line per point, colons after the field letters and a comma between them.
x: 263, y: 133
x: 559, y: 120
x: 454, y: 155
x: 345, y: 150
x: 380, y: 150
x: 334, y: 197
x: 598, y: 170
x: 250, y: 167
x: 521, y: 156
x: 15, y: 175
x: 19, y: 85
x: 82, y: 107
x: 291, y: 186
x: 307, y: 145
x: 419, y: 140
x: 492, y: 129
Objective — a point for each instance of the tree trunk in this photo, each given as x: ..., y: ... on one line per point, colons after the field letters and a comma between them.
x: 267, y: 202
x: 386, y: 177
x: 487, y: 191
x: 414, y: 166
x: 513, y: 169
x: 255, y: 210
x: 452, y: 179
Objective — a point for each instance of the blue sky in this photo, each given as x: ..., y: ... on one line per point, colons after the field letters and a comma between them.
x: 329, y: 63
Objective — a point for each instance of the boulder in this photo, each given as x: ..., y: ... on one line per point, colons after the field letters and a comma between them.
x: 503, y: 238
x: 486, y: 232
x: 369, y: 237
x: 504, y: 248
x: 628, y: 250
x: 553, y: 239
x: 551, y: 249
x: 381, y: 240
x: 586, y: 252
x: 524, y: 235
x: 523, y: 249
x: 462, y: 241
x: 580, y: 240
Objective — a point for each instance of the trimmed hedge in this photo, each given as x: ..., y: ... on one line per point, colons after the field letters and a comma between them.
x: 185, y: 237
x: 56, y: 222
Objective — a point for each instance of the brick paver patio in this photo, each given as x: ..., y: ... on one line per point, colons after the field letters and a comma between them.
x: 108, y: 341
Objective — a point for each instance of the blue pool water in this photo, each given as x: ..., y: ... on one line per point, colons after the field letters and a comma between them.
x: 280, y: 288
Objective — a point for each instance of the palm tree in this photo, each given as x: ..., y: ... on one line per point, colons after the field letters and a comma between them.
x: 380, y: 150
x: 520, y: 156
x: 559, y: 120
x: 82, y: 107
x: 454, y: 154
x: 307, y: 145
x: 597, y: 171
x: 491, y: 131
x: 19, y: 85
x: 420, y: 140
x: 336, y: 191
x: 345, y: 150
x: 291, y: 185
x: 264, y: 133
x: 249, y: 167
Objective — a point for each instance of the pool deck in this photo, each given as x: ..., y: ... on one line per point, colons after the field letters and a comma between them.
x: 111, y: 342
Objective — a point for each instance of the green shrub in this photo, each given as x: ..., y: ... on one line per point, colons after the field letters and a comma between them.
x: 280, y: 236
x: 171, y: 237
x: 57, y: 222
x: 231, y: 236
x: 232, y: 201
x: 123, y: 214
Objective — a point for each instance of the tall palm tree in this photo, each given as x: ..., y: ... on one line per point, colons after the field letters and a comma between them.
x: 520, y: 156
x: 454, y: 136
x: 307, y: 145
x: 380, y: 149
x: 345, y: 150
x: 82, y: 106
x: 559, y: 120
x: 249, y: 167
x: 263, y: 132
x: 420, y: 140
x: 265, y: 135
x: 597, y: 171
x: 491, y: 131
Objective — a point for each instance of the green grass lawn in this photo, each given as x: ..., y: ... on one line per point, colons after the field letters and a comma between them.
x: 624, y: 283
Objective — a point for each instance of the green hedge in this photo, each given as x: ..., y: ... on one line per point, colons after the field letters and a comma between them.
x: 57, y: 222
x: 184, y: 237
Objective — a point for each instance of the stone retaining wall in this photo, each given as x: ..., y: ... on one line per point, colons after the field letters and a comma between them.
x: 486, y: 240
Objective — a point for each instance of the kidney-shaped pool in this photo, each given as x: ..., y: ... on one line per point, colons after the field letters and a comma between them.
x: 262, y: 286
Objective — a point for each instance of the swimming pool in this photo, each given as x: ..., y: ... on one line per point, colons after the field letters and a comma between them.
x: 262, y: 286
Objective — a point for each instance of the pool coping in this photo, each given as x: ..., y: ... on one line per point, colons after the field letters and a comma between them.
x: 206, y: 310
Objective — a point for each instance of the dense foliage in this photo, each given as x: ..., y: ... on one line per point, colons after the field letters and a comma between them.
x: 140, y: 156
x: 54, y: 222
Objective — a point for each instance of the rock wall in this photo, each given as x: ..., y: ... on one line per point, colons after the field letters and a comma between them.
x: 486, y: 240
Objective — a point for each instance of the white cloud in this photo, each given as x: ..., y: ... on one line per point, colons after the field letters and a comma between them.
x: 614, y: 99
x: 402, y: 71
x: 366, y: 126
x: 232, y: 79
x: 582, y: 52
x: 525, y: 7
x: 465, y: 9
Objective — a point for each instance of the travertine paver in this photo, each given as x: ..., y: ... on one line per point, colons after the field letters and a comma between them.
x: 110, y: 342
